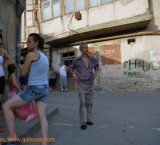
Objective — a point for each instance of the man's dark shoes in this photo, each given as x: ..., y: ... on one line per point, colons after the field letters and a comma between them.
x: 61, y: 90
x: 89, y: 123
x: 83, y: 125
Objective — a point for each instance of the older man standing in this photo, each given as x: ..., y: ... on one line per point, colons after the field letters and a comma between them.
x: 82, y: 70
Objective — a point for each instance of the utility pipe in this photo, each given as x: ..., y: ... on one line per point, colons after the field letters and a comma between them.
x: 35, y: 15
x: 117, y: 37
x: 20, y: 6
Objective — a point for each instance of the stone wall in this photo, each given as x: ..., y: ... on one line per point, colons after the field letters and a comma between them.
x: 9, y: 26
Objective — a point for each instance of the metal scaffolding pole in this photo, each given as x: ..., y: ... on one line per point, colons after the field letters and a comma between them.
x: 20, y: 6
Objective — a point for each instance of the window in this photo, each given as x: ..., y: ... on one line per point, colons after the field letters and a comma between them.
x: 98, y: 2
x: 29, y: 5
x: 56, y: 8
x: 67, y: 58
x: 79, y: 5
x: 29, y: 12
x: 73, y: 5
x: 51, y: 8
x: 29, y: 18
x: 106, y: 1
x: 47, y: 10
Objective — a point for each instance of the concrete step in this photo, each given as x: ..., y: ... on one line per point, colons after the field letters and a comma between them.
x: 27, y: 129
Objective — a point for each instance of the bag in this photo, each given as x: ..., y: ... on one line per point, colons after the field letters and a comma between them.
x: 26, y: 112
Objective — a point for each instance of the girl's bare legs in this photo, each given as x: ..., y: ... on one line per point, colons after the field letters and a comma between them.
x: 8, y: 114
x: 41, y: 109
x: 23, y: 87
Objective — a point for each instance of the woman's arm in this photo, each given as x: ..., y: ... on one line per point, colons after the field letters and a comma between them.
x: 29, y: 58
x: 7, y: 58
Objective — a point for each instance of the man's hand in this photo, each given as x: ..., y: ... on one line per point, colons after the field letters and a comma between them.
x: 94, y: 77
x: 18, y: 90
x: 95, y: 74
x: 76, y: 78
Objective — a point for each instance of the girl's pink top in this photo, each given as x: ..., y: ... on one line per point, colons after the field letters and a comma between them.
x: 11, y: 87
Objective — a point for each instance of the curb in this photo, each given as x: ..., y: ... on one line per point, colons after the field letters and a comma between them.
x: 36, y: 125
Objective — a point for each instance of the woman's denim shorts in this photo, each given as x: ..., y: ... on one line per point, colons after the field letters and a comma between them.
x: 37, y: 93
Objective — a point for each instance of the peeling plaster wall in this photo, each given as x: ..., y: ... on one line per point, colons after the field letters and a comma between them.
x: 124, y: 67
x: 155, y: 9
x: 117, y: 10
x: 139, y: 68
x: 31, y: 30
x: 114, y: 11
x: 9, y: 26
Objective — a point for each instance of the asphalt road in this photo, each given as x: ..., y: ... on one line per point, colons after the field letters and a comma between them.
x: 119, y: 119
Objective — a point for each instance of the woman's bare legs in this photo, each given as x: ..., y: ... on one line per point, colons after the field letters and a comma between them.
x: 8, y: 114
x: 1, y: 129
x: 41, y: 109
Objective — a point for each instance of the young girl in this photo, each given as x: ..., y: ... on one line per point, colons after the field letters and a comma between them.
x: 12, y: 82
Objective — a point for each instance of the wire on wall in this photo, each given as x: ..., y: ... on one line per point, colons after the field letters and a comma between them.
x: 74, y: 30
x: 8, y: 27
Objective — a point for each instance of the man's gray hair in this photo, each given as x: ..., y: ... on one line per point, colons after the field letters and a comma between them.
x: 81, y: 45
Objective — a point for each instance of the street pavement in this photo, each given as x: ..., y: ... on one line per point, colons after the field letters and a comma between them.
x: 119, y: 119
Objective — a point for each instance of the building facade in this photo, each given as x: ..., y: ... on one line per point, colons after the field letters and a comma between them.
x: 121, y: 34
x: 8, y: 26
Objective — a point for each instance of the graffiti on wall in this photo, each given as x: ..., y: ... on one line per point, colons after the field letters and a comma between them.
x: 110, y: 54
x: 133, y: 64
x: 131, y: 74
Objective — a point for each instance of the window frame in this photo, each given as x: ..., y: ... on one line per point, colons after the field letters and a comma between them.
x: 33, y: 23
x: 43, y: 10
x: 53, y: 9
x: 74, y: 7
x: 98, y: 4
x: 30, y: 10
x: 69, y: 58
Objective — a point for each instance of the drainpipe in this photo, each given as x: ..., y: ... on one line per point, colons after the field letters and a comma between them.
x: 20, y: 6
x: 35, y: 15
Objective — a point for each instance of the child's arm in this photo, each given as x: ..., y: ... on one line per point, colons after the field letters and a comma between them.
x: 14, y: 83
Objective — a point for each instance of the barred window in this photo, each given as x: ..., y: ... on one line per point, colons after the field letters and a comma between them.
x: 67, y: 58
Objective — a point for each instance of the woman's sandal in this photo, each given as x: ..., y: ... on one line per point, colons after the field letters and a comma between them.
x: 2, y: 129
x: 6, y: 142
